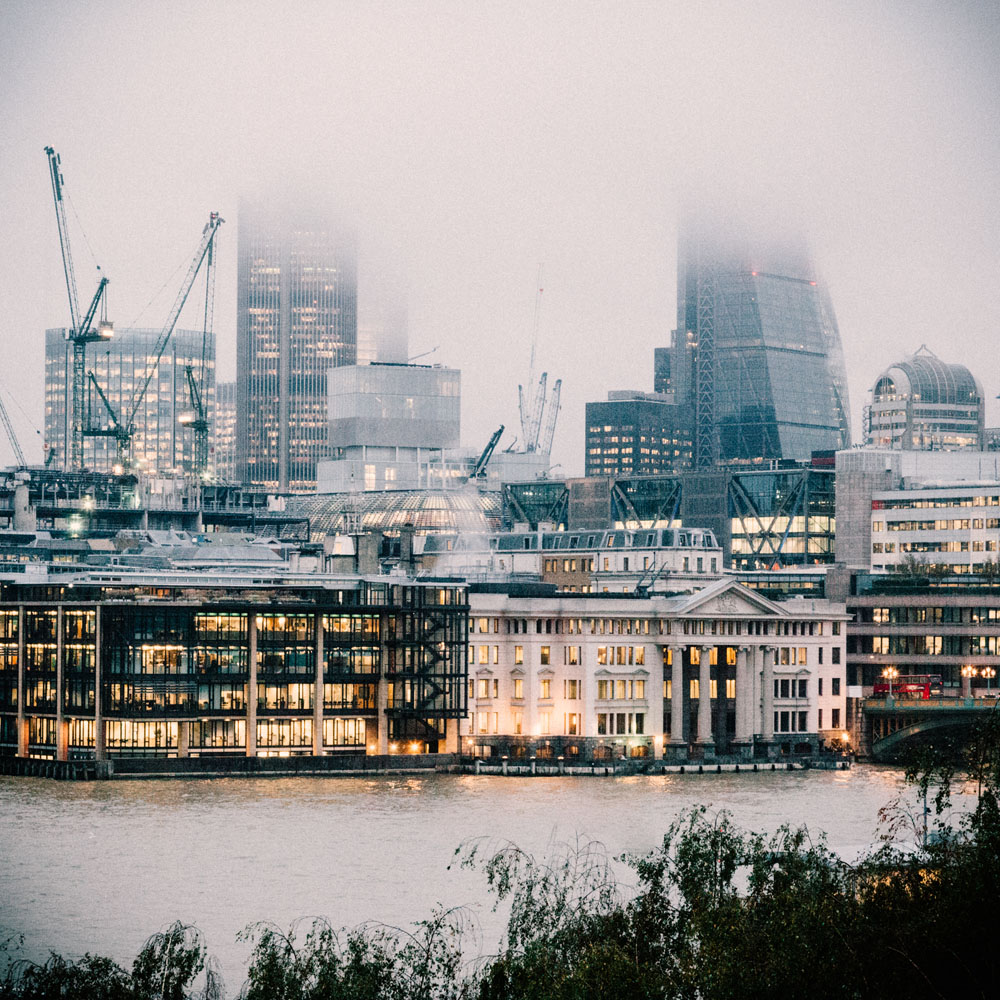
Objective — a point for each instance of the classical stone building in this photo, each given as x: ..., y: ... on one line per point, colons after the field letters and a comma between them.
x: 722, y: 672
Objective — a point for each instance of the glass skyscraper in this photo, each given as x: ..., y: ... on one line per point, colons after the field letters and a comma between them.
x: 756, y: 353
x: 162, y: 443
x: 296, y: 318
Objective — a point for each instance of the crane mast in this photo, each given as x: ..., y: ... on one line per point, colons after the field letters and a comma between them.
x: 123, y: 425
x: 198, y: 420
x: 81, y: 331
x: 12, y: 437
x: 550, y: 421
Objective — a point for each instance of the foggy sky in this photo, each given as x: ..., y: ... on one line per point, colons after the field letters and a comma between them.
x: 478, y: 140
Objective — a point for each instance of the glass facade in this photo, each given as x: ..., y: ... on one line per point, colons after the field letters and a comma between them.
x: 161, y: 443
x: 639, y: 436
x: 222, y: 458
x: 779, y: 385
x: 204, y: 674
x: 926, y: 405
x: 296, y: 318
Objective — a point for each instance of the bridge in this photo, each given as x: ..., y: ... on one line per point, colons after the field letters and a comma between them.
x: 889, y: 725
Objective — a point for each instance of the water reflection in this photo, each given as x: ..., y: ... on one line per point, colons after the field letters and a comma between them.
x: 98, y: 867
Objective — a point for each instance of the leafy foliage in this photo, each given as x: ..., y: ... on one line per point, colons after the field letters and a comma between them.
x: 714, y: 913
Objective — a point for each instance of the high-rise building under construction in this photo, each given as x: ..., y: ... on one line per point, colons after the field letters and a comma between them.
x: 756, y: 354
x: 162, y: 442
x: 296, y: 318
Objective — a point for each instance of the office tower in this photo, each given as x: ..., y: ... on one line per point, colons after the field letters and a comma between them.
x: 637, y: 434
x: 297, y: 317
x: 393, y: 427
x: 924, y: 404
x: 161, y: 442
x: 756, y: 353
x: 661, y: 370
x: 222, y: 459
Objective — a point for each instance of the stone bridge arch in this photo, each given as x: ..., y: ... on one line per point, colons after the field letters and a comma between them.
x: 889, y: 747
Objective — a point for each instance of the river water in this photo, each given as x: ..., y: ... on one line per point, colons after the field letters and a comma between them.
x: 100, y: 866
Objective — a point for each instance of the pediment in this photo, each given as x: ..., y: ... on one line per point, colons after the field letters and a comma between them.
x: 728, y: 598
x: 517, y: 672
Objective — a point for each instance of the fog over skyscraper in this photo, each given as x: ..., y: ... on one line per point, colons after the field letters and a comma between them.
x: 296, y: 318
x: 756, y: 353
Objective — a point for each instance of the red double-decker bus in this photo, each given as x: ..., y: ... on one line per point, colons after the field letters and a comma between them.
x: 910, y: 686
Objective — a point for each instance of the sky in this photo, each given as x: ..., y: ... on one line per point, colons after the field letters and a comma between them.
x: 482, y: 141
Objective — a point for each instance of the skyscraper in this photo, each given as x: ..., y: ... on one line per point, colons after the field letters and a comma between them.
x: 756, y: 353
x: 161, y: 443
x: 297, y: 317
x: 223, y: 455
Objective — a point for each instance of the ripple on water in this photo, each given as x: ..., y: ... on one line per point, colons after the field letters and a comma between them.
x: 100, y: 866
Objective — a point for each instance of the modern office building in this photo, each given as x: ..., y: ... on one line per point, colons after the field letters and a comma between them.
x: 778, y: 515
x: 864, y: 474
x: 756, y: 353
x: 391, y: 427
x: 924, y: 404
x: 296, y: 318
x: 230, y: 662
x: 637, y: 433
x: 162, y: 443
x: 932, y: 627
x: 954, y: 529
x: 223, y: 441
x: 721, y: 672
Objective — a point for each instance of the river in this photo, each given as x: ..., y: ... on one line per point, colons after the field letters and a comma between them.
x: 100, y: 866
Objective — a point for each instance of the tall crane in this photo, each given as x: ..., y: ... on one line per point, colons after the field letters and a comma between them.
x: 12, y: 436
x: 484, y: 459
x: 122, y: 427
x: 197, y: 417
x: 545, y: 445
x: 81, y: 331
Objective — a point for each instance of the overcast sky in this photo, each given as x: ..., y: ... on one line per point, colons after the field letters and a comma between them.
x: 482, y: 139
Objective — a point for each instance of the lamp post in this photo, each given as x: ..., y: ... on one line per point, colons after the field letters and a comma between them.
x: 968, y: 672
x: 989, y: 673
x: 890, y: 674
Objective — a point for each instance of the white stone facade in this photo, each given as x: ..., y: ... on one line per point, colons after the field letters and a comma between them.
x: 593, y: 676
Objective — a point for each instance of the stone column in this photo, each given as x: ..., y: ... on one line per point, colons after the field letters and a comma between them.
x: 744, y: 696
x: 767, y: 693
x: 100, y: 742
x: 251, y: 684
x: 62, y: 725
x: 452, y: 739
x: 677, y: 696
x: 705, y: 698
x: 317, y: 747
x: 22, y: 722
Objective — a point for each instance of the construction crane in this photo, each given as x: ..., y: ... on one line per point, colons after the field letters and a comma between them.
x: 542, y: 405
x: 12, y: 436
x: 484, y: 458
x: 550, y: 423
x: 122, y: 426
x: 81, y: 331
x: 197, y: 417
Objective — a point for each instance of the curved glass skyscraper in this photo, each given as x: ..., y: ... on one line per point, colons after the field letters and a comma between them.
x: 756, y: 352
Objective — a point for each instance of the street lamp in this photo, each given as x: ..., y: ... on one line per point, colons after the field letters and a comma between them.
x: 968, y: 672
x: 989, y: 673
x: 890, y: 674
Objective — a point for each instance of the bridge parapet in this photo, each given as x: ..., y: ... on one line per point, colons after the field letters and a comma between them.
x: 909, y: 706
